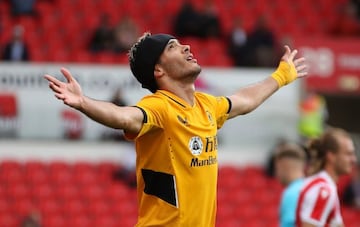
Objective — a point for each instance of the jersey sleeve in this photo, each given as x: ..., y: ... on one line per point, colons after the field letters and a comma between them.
x: 223, y: 107
x: 154, y: 112
x: 318, y: 204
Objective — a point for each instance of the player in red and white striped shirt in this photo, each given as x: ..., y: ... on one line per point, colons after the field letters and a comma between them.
x: 332, y: 155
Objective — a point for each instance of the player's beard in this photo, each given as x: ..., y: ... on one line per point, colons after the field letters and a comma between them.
x: 194, y: 73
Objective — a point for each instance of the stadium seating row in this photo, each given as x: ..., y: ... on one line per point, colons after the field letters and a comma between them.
x: 80, y: 193
x: 62, y: 30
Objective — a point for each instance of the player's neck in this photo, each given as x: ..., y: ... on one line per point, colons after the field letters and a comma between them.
x: 183, y: 91
x: 295, y: 175
x: 334, y: 176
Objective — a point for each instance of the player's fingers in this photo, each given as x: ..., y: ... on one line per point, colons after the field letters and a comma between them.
x: 302, y: 74
x: 287, y: 53
x: 52, y: 79
x: 59, y: 96
x: 67, y: 74
x: 299, y: 61
x: 292, y: 55
x: 54, y: 87
x: 287, y: 49
x: 301, y: 68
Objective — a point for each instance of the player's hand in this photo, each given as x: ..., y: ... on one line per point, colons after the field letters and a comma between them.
x: 299, y: 63
x: 69, y: 92
x: 289, y: 68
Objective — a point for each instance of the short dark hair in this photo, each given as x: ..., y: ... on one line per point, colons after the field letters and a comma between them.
x: 143, y: 56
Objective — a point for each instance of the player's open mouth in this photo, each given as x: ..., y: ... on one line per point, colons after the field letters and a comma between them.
x: 191, y: 58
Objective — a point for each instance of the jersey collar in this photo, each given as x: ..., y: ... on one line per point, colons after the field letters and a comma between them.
x: 174, y: 98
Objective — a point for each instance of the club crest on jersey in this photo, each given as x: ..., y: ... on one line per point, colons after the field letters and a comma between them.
x: 210, y: 118
x: 195, y: 145
x: 182, y: 120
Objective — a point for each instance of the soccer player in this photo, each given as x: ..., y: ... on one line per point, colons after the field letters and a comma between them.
x: 331, y: 155
x: 175, y: 128
x: 290, y: 162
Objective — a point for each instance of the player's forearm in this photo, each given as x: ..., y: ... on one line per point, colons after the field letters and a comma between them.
x: 249, y: 98
x: 105, y: 113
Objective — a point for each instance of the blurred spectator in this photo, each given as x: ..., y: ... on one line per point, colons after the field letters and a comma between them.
x: 16, y: 49
x: 313, y: 114
x: 127, y: 172
x: 102, y: 37
x: 270, y: 163
x: 22, y: 7
x: 331, y: 156
x: 118, y: 98
x: 348, y: 24
x: 203, y: 24
x: 261, y: 44
x: 351, y: 195
x: 187, y: 21
x: 209, y: 21
x: 290, y: 163
x: 237, y: 43
x: 356, y: 4
x: 125, y: 35
x: 33, y: 219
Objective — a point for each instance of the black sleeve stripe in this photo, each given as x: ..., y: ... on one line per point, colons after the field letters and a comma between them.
x: 230, y: 105
x: 144, y: 113
x: 161, y: 185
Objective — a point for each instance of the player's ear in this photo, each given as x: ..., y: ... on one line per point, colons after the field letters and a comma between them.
x: 331, y: 156
x: 158, y: 71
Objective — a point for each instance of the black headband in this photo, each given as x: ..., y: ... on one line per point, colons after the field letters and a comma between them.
x: 147, y: 54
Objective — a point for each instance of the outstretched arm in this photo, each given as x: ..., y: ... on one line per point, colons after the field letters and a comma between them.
x: 249, y: 98
x: 127, y: 118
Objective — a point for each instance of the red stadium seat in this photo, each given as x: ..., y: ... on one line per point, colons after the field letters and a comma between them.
x: 106, y: 167
x: 35, y: 177
x: 18, y: 190
x: 23, y: 206
x: 98, y: 207
x: 4, y: 201
x: 117, y: 192
x: 67, y: 192
x: 128, y: 221
x: 84, y: 179
x: 42, y: 192
x: 125, y: 208
x: 230, y: 222
x: 75, y: 207
x: 36, y: 172
x: 11, y: 176
x: 9, y: 219
x: 61, y: 178
x: 81, y: 56
x: 55, y: 220
x: 84, y: 167
x: 35, y: 165
x: 225, y: 211
x: 59, y: 166
x: 105, y: 220
x: 92, y: 192
x: 50, y: 207
x: 80, y: 221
